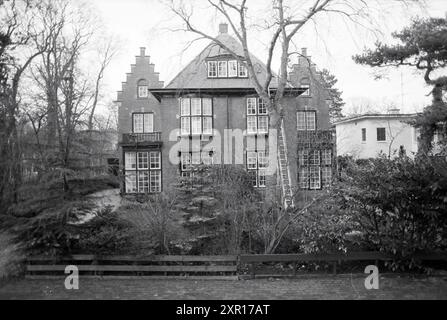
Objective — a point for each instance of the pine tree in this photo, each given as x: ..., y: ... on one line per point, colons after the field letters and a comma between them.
x: 337, y: 103
x: 422, y: 45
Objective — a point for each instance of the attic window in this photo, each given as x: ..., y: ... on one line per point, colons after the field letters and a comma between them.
x: 226, y: 69
x: 142, y: 89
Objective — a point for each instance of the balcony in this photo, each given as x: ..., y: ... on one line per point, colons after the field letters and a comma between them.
x: 152, y: 139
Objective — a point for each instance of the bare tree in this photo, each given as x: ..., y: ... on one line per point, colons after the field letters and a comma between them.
x: 107, y: 52
x: 17, y: 32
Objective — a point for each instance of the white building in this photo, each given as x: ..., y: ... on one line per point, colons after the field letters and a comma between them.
x: 367, y: 136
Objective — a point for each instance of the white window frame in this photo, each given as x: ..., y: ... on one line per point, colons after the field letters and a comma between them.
x: 326, y: 176
x: 314, y: 178
x: 256, y: 164
x: 258, y: 121
x: 143, y: 91
x: 137, y: 170
x: 212, y: 69
x: 155, y: 181
x: 242, y: 70
x: 233, y: 69
x: 154, y: 160
x: 306, y: 120
x: 222, y: 69
x: 143, y: 122
x: 326, y: 157
x: 196, y: 116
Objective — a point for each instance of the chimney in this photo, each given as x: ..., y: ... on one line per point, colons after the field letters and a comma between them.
x: 223, y: 28
x: 304, y: 52
x: 303, y: 59
x: 142, y: 52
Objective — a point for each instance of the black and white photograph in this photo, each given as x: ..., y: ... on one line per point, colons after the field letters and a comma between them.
x: 223, y: 155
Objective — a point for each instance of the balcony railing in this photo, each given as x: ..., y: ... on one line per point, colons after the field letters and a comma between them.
x: 141, y: 138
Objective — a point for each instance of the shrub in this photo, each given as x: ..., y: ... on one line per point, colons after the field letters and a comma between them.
x: 107, y: 233
x: 154, y: 220
x: 400, y: 206
x: 325, y: 228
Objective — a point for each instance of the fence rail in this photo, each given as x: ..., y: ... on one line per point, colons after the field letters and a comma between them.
x: 203, y: 267
x: 335, y: 259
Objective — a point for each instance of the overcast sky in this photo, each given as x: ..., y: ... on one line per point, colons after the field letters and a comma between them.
x: 147, y: 23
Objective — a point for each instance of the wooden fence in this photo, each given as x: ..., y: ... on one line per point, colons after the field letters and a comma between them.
x: 335, y: 259
x: 191, y: 267
x: 194, y: 267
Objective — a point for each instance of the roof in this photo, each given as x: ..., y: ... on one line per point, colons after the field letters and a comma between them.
x: 376, y: 116
x: 195, y: 75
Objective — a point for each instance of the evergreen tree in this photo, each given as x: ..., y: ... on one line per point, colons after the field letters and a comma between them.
x: 422, y: 45
x: 337, y: 103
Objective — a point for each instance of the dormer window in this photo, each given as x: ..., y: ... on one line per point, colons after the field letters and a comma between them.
x: 243, y: 73
x: 226, y: 69
x: 212, y: 69
x: 142, y: 89
x: 222, y: 69
x: 232, y: 69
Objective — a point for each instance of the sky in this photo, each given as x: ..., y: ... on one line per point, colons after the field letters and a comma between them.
x: 331, y: 41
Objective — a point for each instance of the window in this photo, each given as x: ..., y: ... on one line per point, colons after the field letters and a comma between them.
x: 257, y: 116
x: 257, y: 163
x: 222, y: 71
x: 155, y: 160
x: 303, y: 158
x: 212, y: 69
x: 131, y: 182
x: 314, y: 169
x: 142, y: 172
x: 190, y: 159
x: 381, y: 134
x: 314, y: 178
x: 155, y: 181
x: 303, y: 178
x: 363, y: 135
x: 196, y: 116
x: 143, y: 122
x: 227, y: 69
x: 306, y: 120
x: 232, y: 69
x: 243, y: 72
x: 326, y: 176
x: 314, y: 158
x: 142, y: 89
x: 326, y: 157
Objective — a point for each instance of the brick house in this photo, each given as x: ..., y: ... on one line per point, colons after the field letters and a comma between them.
x: 164, y: 130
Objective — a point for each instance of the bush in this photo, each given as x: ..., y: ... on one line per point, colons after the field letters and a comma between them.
x: 400, y: 206
x: 107, y: 233
x: 325, y: 228
x: 154, y: 220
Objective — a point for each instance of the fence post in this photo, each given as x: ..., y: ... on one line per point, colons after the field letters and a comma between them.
x: 253, y: 270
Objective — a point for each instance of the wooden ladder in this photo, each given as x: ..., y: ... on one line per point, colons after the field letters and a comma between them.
x: 284, y: 170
